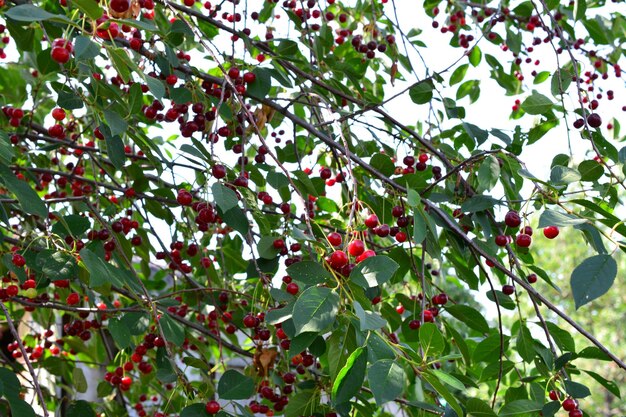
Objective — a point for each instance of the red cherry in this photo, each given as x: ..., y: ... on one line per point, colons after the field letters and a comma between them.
x: 184, y: 198
x: 554, y: 396
x: 249, y: 77
x: 335, y: 239
x: 212, y: 407
x: 171, y: 79
x: 58, y: 114
x: 356, y: 247
x: 532, y: 278
x: 371, y: 221
x: 397, y: 211
x: 551, y: 232
x: 399, y: 309
x: 401, y: 237
x: 367, y: 254
x: 72, y: 299
x: 570, y: 404
x: 338, y: 259
x: 428, y: 316
x: 501, y: 240
x: 249, y: 321
x: 512, y: 219
x: 18, y: 260
x: 292, y: 288
x: 278, y: 244
x: 594, y: 120
x: 523, y: 241
x: 120, y: 6
x: 218, y: 171
x: 233, y: 72
x: 575, y: 413
x: 60, y: 55
x: 414, y: 324
x: 508, y: 289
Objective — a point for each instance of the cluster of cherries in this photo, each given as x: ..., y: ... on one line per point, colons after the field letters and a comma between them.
x: 523, y: 240
x: 36, y: 352
x: 569, y: 404
x: 14, y: 115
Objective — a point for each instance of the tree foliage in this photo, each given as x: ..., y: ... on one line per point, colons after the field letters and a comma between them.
x: 214, y: 206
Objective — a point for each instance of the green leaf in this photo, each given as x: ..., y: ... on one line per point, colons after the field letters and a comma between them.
x: 488, y: 174
x: 537, y: 104
x: 458, y: 74
x: 72, y: 224
x: 317, y: 309
x: 79, y: 381
x: 116, y: 151
x: 57, y: 265
x: 580, y: 9
x: 560, y: 82
x: 597, y: 30
x: 156, y: 86
x: 234, y: 385
x: 374, y: 271
x: 303, y: 403
x: 563, y: 175
x: 383, y: 164
x: 475, y: 56
x: 120, y: 333
x: 443, y: 391
x: 29, y: 13
x: 262, y: 84
x: 350, y: 378
x: 80, y: 408
x: 525, y: 344
x: 100, y: 273
x: 478, y: 408
x: 121, y: 62
x: 431, y: 340
x: 590, y: 170
x: 592, y: 278
x: 576, y: 390
x: 611, y: 386
x: 116, y: 123
x: 224, y: 197
x: 448, y: 379
x: 520, y: 407
x: 27, y: 197
x: 309, y: 272
x: 85, y: 48
x: 470, y: 316
x: 562, y: 338
x: 556, y: 218
x: 478, y: 203
x: 194, y: 410
x: 422, y: 92
x: 90, y: 8
x: 172, y: 330
x: 6, y: 149
x: 368, y: 320
x: 386, y: 380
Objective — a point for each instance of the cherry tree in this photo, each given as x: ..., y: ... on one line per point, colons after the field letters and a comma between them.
x: 312, y: 208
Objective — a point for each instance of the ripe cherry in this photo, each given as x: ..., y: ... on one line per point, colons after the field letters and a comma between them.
x: 594, y: 120
x: 212, y: 407
x: 58, y: 114
x: 570, y: 404
x: 249, y: 77
x: 371, y: 221
x: 171, y: 79
x: 554, y: 396
x: 292, y: 288
x: 249, y: 321
x: 120, y: 6
x: 512, y: 219
x: 428, y: 316
x: 414, y: 324
x: 184, y: 198
x: 72, y: 299
x: 367, y: 254
x: 334, y: 238
x: 338, y: 259
x: 356, y: 247
x: 397, y: 211
x: 508, y: 289
x: 523, y: 240
x: 532, y: 278
x: 218, y: 171
x: 60, y: 55
x: 551, y: 232
x: 501, y: 240
x: 18, y: 260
